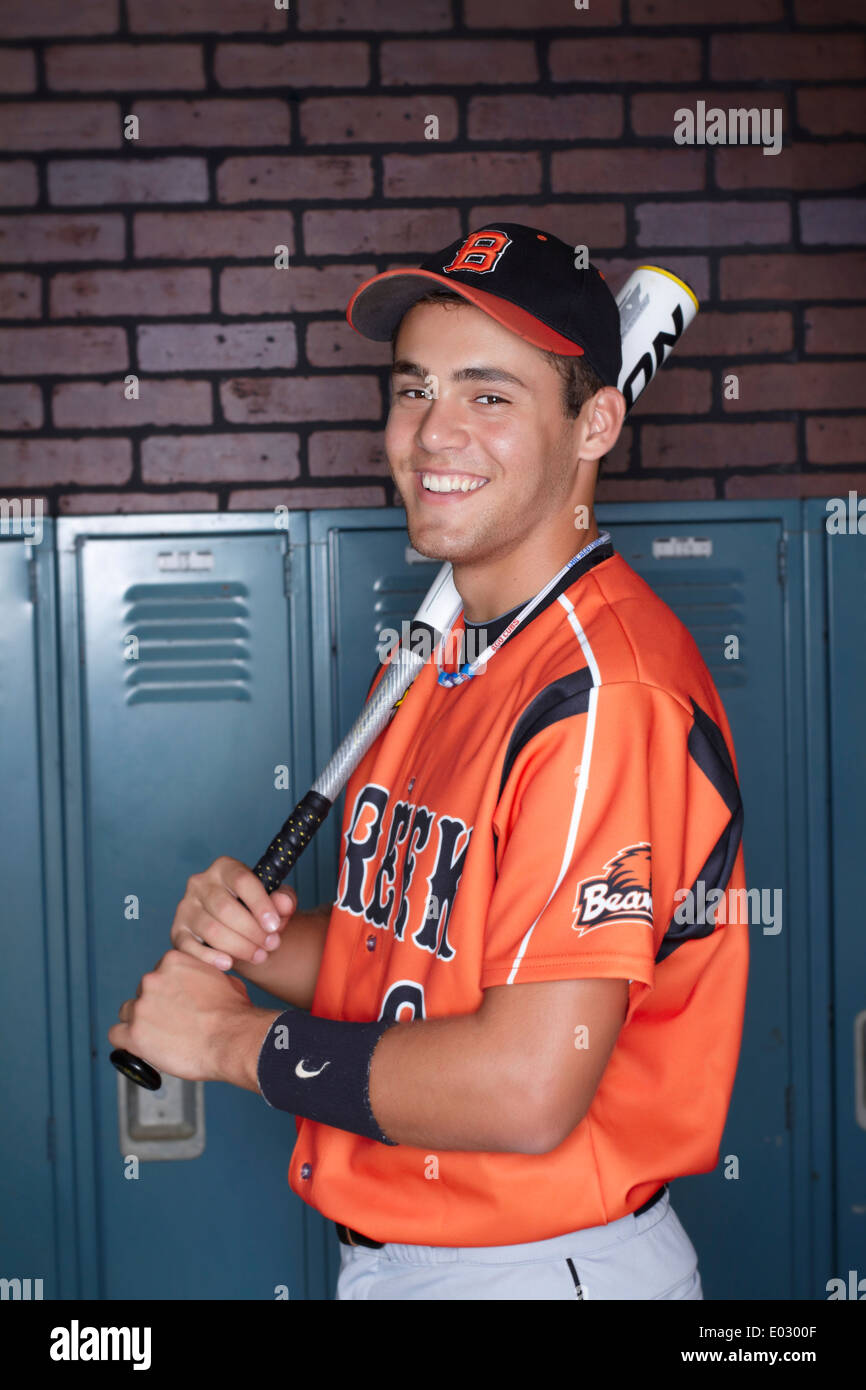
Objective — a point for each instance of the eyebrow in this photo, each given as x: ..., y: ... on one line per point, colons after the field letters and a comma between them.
x: 403, y: 367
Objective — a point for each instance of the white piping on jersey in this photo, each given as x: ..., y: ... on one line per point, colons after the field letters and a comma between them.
x: 583, y: 778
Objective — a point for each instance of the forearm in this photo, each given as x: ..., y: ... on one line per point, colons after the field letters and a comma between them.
x: 434, y: 1084
x: 290, y: 973
x: 448, y: 1083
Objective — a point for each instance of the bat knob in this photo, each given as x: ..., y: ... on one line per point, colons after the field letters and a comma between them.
x: 136, y: 1070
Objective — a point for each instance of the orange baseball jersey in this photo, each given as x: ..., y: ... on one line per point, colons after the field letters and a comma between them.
x: 538, y: 823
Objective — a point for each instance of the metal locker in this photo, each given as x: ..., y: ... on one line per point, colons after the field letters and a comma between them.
x: 186, y: 687
x: 835, y: 547
x: 36, y: 1177
x: 722, y: 567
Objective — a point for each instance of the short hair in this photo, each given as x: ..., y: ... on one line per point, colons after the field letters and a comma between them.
x: 579, y: 380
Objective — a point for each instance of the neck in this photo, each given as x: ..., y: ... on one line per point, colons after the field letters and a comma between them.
x: 489, y: 590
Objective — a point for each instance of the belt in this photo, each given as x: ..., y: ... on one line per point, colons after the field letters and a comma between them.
x: 349, y: 1237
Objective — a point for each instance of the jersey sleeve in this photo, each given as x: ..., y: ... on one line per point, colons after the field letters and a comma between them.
x: 587, y: 821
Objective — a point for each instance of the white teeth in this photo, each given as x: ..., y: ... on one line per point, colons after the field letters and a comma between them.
x: 433, y: 482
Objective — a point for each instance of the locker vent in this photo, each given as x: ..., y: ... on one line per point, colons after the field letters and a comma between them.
x: 712, y: 605
x: 398, y: 596
x: 191, y: 642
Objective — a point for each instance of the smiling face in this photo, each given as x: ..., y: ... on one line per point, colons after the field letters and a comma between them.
x: 495, y: 425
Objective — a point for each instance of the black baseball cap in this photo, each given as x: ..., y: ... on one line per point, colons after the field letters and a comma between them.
x: 524, y: 278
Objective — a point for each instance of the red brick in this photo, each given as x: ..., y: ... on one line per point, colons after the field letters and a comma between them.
x: 721, y: 335
x: 792, y: 276
x: 629, y: 489
x: 51, y: 18
x: 515, y: 14
x: 289, y: 178
x: 790, y: 57
x: 166, y: 401
x: 213, y: 121
x: 62, y: 351
x: 204, y: 17
x: 35, y: 463
x: 338, y: 345
x: 672, y: 12
x: 303, y: 498
x: 20, y: 296
x: 456, y: 62
x: 219, y: 458
x: 17, y: 70
x: 20, y: 406
x: 718, y: 446
x: 489, y: 172
x: 392, y: 120
x: 293, y: 64
x: 695, y: 270
x: 121, y: 67
x: 59, y: 125
x: 213, y: 235
x: 138, y: 293
x: 828, y: 11
x: 627, y: 170
x: 301, y: 289
x: 590, y: 116
x: 386, y: 16
x: 836, y: 439
x: 793, y: 485
x: 793, y: 385
x: 675, y: 390
x: 619, y: 460
x: 723, y: 222
x: 833, y: 221
x: 348, y: 453
x: 61, y: 237
x: 252, y: 400
x: 18, y: 183
x: 840, y: 111
x: 124, y: 180
x: 208, y: 347
x: 125, y: 503
x: 584, y: 224
x: 415, y: 232
x: 652, y: 113
x: 645, y: 59
x: 794, y: 167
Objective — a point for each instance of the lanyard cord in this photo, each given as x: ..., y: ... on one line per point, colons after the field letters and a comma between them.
x: 467, y: 670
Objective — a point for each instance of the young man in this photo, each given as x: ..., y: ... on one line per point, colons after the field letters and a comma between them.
x: 516, y: 1038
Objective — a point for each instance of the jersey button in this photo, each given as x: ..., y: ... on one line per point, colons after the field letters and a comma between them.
x: 370, y: 943
x: 306, y: 1170
x: 411, y: 784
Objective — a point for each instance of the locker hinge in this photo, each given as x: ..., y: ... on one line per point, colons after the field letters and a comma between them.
x: 32, y: 577
x: 783, y: 559
x: 789, y: 1107
x: 49, y: 1138
x: 287, y: 573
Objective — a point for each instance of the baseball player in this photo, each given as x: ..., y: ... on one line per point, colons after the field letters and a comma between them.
x: 518, y: 1019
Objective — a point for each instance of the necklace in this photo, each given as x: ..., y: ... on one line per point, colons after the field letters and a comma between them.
x: 468, y: 670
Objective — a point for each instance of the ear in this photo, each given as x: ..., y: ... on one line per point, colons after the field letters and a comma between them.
x: 605, y: 413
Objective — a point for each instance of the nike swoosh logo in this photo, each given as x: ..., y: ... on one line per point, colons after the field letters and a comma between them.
x: 300, y: 1070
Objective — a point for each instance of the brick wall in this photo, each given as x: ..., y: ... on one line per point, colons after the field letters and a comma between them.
x: 260, y: 127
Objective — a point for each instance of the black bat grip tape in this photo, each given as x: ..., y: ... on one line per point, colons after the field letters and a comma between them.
x: 291, y: 841
x: 278, y: 860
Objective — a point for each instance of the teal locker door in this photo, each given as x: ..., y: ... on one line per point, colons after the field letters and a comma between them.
x: 362, y: 580
x: 187, y: 677
x: 846, y: 639
x: 29, y: 866
x: 732, y: 586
